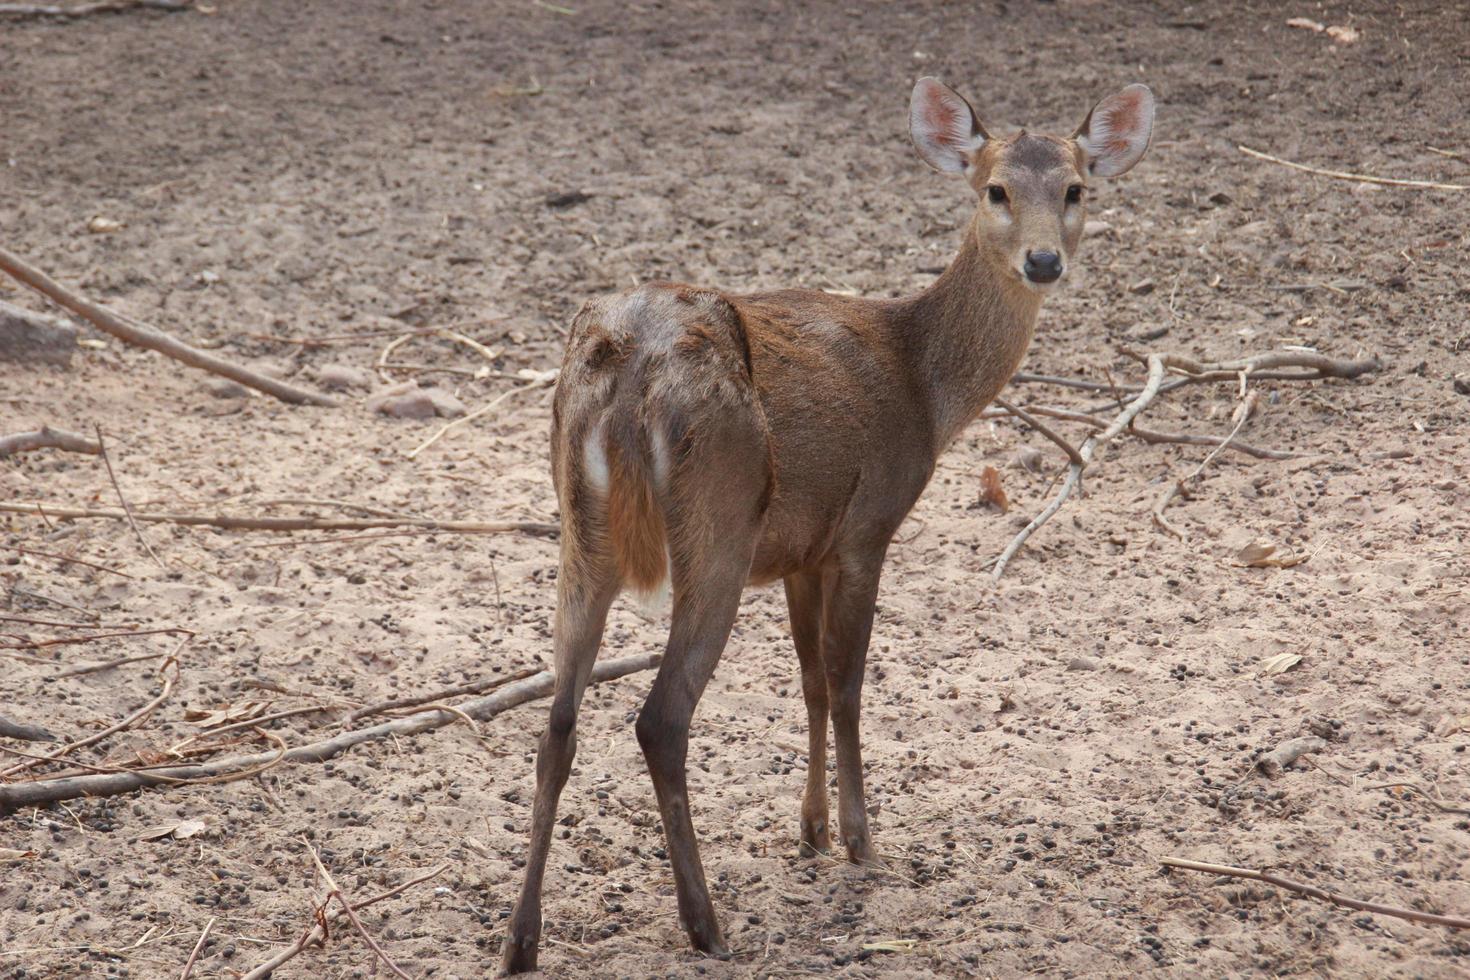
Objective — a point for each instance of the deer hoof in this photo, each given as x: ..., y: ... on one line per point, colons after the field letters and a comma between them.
x: 518, y: 955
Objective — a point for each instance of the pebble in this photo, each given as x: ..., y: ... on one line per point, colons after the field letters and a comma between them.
x: 225, y: 388
x: 340, y: 377
x: 408, y: 401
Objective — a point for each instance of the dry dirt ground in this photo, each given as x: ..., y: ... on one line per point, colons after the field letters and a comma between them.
x: 1033, y: 747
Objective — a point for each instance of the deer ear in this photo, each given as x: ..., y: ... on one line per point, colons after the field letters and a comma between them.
x: 945, y: 130
x: 1116, y: 133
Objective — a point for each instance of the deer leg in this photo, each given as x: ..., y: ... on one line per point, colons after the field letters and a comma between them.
x: 851, y: 590
x: 581, y: 613
x: 705, y: 601
x: 804, y: 602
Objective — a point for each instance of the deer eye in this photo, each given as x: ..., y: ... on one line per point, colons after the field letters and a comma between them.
x: 1074, y: 194
x: 996, y: 193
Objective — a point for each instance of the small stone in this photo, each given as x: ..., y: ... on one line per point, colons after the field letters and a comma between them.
x: 225, y: 388
x: 1084, y: 663
x: 1142, y: 287
x: 35, y: 338
x: 340, y: 377
x: 409, y: 401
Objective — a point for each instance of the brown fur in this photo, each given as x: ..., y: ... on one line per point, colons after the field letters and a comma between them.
x: 779, y: 435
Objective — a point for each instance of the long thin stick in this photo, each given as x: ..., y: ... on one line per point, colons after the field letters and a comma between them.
x: 317, y: 933
x: 69, y: 640
x: 41, y: 791
x: 127, y: 510
x: 74, y: 561
x: 1151, y: 436
x: 1085, y: 453
x: 48, y: 438
x: 1044, y: 429
x: 233, y: 523
x: 1347, y: 175
x: 145, y: 336
x: 83, y: 10
x: 483, y: 409
x: 474, y: 687
x: 1243, y: 412
x: 1453, y: 922
x: 189, y: 966
x: 125, y: 724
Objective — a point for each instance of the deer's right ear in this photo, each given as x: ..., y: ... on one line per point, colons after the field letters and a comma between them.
x: 945, y: 130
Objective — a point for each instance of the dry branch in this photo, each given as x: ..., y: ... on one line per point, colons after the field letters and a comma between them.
x: 127, y: 508
x: 189, y: 966
x: 1243, y: 413
x: 482, y: 410
x: 318, y: 933
x: 74, y: 561
x: 1348, y: 175
x: 143, y: 335
x: 233, y: 523
x: 26, y: 733
x: 1152, y: 436
x: 1085, y: 453
x: 87, y: 9
x: 1312, y: 891
x: 168, y: 685
x: 473, y: 687
x: 42, y: 791
x: 48, y: 438
x: 1258, y: 367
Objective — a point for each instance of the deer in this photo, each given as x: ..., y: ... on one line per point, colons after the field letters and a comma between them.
x: 703, y: 442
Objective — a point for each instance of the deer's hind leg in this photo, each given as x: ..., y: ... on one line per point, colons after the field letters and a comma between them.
x: 804, y: 603
x: 585, y: 588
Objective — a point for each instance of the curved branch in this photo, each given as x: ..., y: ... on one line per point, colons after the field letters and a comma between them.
x: 143, y: 335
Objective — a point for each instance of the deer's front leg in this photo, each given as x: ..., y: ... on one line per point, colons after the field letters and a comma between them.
x: 850, y: 593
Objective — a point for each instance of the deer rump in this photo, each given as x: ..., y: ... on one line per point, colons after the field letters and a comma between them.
x: 658, y: 436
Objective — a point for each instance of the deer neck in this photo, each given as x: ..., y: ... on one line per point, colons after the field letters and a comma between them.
x: 966, y: 335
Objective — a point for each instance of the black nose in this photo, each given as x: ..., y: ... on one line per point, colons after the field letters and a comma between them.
x: 1043, y: 266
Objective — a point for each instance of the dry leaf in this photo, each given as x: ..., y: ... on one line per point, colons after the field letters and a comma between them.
x: 178, y: 830
x: 991, y: 492
x: 104, y: 226
x: 1343, y: 35
x: 1280, y: 663
x: 1262, y: 554
x: 229, y: 714
x: 892, y: 946
x: 11, y: 856
x: 1306, y: 23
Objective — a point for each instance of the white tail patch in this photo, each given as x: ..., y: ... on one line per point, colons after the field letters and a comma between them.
x: 594, y: 457
x: 653, y: 604
x: 661, y: 459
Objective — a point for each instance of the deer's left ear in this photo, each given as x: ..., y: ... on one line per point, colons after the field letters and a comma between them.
x: 1116, y: 133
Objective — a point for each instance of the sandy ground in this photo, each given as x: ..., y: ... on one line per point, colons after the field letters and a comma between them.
x: 1033, y: 747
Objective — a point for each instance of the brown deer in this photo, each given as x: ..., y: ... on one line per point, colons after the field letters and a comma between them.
x: 705, y: 441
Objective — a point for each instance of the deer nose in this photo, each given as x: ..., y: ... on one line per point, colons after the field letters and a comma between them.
x: 1043, y: 266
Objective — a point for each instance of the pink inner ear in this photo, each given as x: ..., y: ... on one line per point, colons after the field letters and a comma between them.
x: 1121, y: 120
x: 942, y: 120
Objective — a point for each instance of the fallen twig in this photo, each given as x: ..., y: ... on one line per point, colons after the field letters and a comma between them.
x: 1347, y: 175
x: 69, y: 640
x: 335, y: 891
x: 1242, y: 414
x: 1151, y: 436
x: 189, y: 966
x: 1259, y: 367
x: 168, y: 685
x: 232, y: 523
x: 1312, y: 891
x: 127, y: 510
x: 482, y: 410
x: 1044, y: 429
x: 143, y: 335
x: 48, y: 438
x: 74, y: 561
x: 318, y: 933
x: 41, y: 791
x: 86, y: 9
x: 109, y: 665
x: 1426, y: 795
x: 1085, y: 453
x: 473, y: 687
x: 26, y: 733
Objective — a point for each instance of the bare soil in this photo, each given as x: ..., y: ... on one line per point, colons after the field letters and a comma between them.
x: 1033, y: 747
